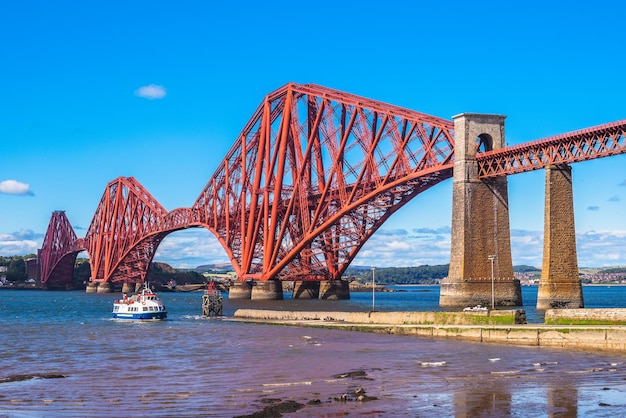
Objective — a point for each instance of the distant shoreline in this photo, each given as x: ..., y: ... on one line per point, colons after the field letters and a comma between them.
x: 604, y: 284
x: 362, y: 288
x: 525, y: 285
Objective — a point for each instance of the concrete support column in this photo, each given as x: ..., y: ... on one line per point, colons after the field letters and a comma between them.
x: 91, y: 287
x: 105, y: 287
x: 267, y: 290
x: 240, y: 290
x: 128, y: 287
x: 334, y: 290
x: 306, y: 290
x: 480, y: 222
x: 559, y: 286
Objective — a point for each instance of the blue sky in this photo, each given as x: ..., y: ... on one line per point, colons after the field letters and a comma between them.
x: 159, y: 90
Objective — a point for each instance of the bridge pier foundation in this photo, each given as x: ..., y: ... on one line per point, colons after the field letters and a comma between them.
x: 240, y: 290
x: 91, y: 287
x: 128, y: 288
x: 306, y: 290
x: 478, y: 292
x: 105, y: 287
x: 560, y: 285
x: 334, y: 290
x: 480, y: 253
x: 267, y: 290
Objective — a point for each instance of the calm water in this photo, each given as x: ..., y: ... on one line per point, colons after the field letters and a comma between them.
x: 194, y: 366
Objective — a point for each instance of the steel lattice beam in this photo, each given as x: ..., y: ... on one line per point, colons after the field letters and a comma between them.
x: 125, y: 232
x: 587, y: 144
x: 313, y: 174
x: 58, y: 253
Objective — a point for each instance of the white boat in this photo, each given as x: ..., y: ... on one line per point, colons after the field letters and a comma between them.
x: 475, y: 308
x: 143, y: 305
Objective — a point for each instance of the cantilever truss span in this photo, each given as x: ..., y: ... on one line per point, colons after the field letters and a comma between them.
x: 314, y: 173
x: 58, y: 252
x: 127, y: 228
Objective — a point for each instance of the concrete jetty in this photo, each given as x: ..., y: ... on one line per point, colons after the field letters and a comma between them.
x: 496, y: 327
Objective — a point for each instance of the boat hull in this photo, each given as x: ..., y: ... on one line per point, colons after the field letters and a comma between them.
x: 145, y: 305
x: 146, y: 316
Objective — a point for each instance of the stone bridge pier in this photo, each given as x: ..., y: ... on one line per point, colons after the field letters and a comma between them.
x: 273, y: 290
x: 560, y: 285
x: 481, y: 268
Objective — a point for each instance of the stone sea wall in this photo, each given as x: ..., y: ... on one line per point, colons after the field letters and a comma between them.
x: 457, y: 325
x: 613, y: 316
x: 393, y: 318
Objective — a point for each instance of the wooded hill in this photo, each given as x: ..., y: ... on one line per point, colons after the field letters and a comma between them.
x: 399, y: 275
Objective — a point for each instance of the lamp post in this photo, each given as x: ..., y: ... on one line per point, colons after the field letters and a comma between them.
x: 373, y: 289
x: 493, y: 293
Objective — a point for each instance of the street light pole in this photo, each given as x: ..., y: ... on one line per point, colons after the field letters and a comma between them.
x: 373, y: 289
x: 493, y: 293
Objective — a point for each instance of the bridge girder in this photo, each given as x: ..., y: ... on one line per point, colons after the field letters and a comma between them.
x: 58, y: 253
x: 124, y: 233
x: 314, y: 173
x: 582, y: 145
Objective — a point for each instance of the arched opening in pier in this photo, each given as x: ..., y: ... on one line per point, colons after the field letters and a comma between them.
x: 484, y: 143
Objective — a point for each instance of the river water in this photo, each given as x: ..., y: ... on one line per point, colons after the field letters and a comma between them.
x: 87, y: 364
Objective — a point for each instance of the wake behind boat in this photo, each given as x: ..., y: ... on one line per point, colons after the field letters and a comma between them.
x: 143, y: 305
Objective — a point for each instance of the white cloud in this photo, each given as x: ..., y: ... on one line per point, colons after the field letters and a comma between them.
x: 395, y: 248
x: 601, y: 248
x: 191, y: 248
x: 392, y: 248
x: 151, y: 92
x: 15, y: 187
x: 20, y: 243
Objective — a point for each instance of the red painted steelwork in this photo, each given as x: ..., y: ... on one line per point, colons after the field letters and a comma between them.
x: 125, y: 232
x: 586, y: 144
x: 58, y: 252
x: 313, y: 175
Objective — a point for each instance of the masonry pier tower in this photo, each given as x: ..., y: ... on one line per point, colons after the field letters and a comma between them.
x: 559, y: 286
x: 480, y: 258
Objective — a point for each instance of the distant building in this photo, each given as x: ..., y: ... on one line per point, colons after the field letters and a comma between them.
x: 32, y: 268
x: 3, y: 277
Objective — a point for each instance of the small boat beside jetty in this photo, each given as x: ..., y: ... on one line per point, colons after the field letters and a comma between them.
x: 476, y: 308
x: 145, y: 305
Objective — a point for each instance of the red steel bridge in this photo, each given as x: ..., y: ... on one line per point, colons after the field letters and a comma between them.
x: 314, y: 173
